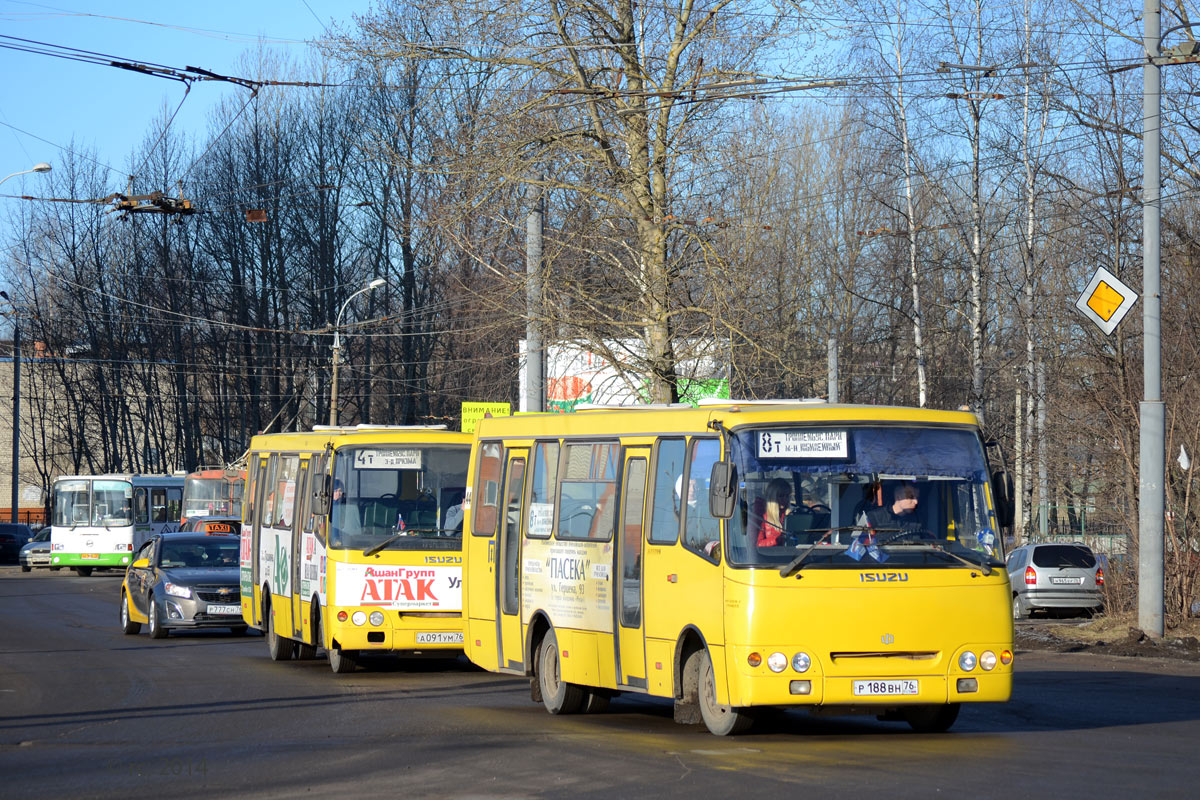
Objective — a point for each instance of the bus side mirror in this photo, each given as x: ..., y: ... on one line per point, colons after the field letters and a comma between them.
x: 720, y: 489
x: 1002, y: 492
x: 320, y: 498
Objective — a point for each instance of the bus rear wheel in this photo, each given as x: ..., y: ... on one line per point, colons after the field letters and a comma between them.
x: 83, y: 572
x: 279, y: 648
x: 721, y: 720
x: 558, y: 696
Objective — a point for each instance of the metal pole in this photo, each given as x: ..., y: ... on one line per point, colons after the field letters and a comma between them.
x: 333, y: 383
x: 1153, y: 449
x: 16, y: 439
x: 535, y: 394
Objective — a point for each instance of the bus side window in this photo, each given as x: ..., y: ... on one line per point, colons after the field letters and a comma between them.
x: 141, y: 508
x: 174, y: 504
x: 485, y: 505
x: 668, y: 472
x: 702, y: 532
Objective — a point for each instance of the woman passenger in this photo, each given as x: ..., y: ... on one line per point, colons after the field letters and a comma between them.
x: 775, y: 502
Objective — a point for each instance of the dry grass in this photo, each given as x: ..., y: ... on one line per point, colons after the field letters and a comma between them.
x: 1113, y: 627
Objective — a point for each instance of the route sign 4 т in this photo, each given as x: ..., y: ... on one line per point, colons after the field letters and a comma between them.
x: 1105, y: 300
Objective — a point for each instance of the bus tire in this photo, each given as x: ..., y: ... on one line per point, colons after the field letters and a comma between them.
x: 157, y: 631
x: 278, y: 647
x: 342, y: 661
x: 721, y: 720
x: 83, y: 572
x: 128, y: 626
x: 596, y: 702
x: 558, y: 696
x: 931, y: 719
x: 305, y: 651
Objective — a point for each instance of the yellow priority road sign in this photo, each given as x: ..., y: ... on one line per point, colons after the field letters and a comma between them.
x: 1105, y: 300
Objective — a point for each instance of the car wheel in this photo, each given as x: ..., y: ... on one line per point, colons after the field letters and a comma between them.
x: 127, y: 625
x: 558, y: 696
x: 931, y: 719
x: 26, y: 569
x: 721, y: 720
x: 342, y: 661
x: 278, y: 647
x: 157, y: 631
x: 1018, y: 609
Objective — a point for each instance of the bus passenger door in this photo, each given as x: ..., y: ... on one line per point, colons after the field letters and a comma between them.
x: 511, y: 644
x: 298, y: 560
x: 631, y: 650
x: 255, y: 521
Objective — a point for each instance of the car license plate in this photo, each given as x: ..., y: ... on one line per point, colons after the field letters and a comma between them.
x: 439, y: 637
x: 1067, y: 581
x: 224, y: 609
x: 886, y: 688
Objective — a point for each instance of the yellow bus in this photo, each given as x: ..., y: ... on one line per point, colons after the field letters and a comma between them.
x: 352, y: 541
x: 844, y: 559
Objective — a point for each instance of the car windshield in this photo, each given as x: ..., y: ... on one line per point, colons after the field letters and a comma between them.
x: 199, y: 554
x: 849, y: 496
x: 407, y: 498
x: 1062, y: 556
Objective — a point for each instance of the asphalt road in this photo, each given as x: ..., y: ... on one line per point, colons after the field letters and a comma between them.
x: 88, y: 712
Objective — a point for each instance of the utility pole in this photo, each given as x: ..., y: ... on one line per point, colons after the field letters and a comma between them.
x: 535, y: 394
x: 1153, y: 451
x: 16, y: 421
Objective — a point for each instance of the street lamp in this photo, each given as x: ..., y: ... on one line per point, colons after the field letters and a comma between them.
x: 40, y: 167
x: 337, y: 347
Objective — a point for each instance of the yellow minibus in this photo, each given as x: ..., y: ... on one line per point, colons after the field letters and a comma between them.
x: 741, y: 555
x: 352, y: 540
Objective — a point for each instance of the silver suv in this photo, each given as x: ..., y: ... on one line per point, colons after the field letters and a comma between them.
x: 1064, y: 578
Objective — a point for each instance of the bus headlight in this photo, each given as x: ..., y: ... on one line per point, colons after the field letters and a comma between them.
x: 777, y: 662
x: 376, y: 618
x: 967, y: 661
x: 987, y: 660
x: 359, y: 618
x: 175, y: 590
x: 801, y: 662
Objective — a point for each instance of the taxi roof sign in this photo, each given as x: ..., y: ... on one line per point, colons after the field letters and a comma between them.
x: 1105, y: 300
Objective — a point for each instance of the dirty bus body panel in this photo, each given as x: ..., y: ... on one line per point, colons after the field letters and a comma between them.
x: 351, y: 541
x: 599, y: 559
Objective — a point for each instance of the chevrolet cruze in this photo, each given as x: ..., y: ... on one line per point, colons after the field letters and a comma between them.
x: 183, y: 580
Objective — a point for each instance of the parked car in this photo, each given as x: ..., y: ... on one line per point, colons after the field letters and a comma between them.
x: 216, y: 524
x: 1057, y: 578
x: 36, y: 553
x: 13, y: 536
x: 183, y: 580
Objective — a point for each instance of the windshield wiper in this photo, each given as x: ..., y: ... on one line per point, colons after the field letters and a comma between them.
x: 795, y: 564
x: 402, y: 534
x: 980, y: 565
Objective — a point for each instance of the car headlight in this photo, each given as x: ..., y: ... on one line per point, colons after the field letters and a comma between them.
x: 175, y: 590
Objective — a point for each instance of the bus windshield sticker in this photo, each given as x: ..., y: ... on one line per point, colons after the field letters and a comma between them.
x: 387, y: 459
x: 803, y: 444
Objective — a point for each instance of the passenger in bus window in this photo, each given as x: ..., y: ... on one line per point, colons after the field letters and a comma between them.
x: 769, y: 512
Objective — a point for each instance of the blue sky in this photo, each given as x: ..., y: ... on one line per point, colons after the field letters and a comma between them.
x: 46, y: 101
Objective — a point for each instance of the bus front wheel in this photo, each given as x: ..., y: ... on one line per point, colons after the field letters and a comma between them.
x: 83, y: 572
x: 721, y: 720
x: 342, y: 661
x: 558, y: 696
x: 931, y: 719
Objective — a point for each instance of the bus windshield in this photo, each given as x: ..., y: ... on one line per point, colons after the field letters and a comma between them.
x: 97, y: 502
x: 854, y: 496
x: 212, y: 496
x: 398, y: 497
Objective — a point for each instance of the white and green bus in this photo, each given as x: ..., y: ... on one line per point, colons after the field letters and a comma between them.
x: 99, y: 521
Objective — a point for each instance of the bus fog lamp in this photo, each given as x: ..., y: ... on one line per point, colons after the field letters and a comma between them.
x: 967, y: 661
x: 754, y: 660
x: 800, y: 687
x: 777, y: 662
x: 987, y: 660
x: 801, y: 662
x: 967, y: 685
x: 359, y: 618
x: 376, y: 618
x: 175, y: 590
